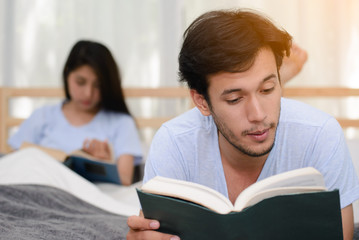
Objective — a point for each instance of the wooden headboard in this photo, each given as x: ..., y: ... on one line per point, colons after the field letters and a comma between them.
x: 7, y: 121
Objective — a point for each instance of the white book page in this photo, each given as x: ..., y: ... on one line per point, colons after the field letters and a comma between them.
x: 256, y: 198
x: 189, y: 191
x: 304, y: 177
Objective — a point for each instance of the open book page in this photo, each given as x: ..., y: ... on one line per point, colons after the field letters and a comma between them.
x: 55, y: 153
x: 303, y: 180
x: 84, y: 154
x: 259, y: 196
x: 62, y: 156
x: 189, y: 191
x: 290, y: 181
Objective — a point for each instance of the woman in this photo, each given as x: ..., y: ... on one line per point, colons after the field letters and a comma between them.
x: 94, y: 115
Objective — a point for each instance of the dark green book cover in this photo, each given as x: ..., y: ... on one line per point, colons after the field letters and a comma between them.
x: 303, y: 216
x: 94, y: 171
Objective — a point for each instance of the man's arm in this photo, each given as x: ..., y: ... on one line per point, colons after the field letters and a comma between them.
x: 142, y: 228
x: 348, y: 222
x: 293, y: 64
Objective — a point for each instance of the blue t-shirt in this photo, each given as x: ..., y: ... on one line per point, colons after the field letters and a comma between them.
x: 48, y: 127
x: 187, y: 148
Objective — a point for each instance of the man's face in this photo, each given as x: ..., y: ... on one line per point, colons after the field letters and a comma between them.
x: 246, y: 106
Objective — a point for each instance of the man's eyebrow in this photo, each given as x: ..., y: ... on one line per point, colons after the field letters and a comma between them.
x: 229, y: 91
x: 269, y: 77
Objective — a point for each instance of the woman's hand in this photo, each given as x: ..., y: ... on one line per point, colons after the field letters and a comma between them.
x: 98, y: 149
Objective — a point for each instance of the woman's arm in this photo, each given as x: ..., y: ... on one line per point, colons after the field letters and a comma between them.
x: 125, y: 168
x: 31, y: 129
x: 102, y: 150
x: 348, y: 222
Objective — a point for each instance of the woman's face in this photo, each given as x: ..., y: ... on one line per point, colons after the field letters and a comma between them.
x: 84, y: 88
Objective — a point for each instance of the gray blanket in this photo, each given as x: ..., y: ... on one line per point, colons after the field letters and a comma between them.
x: 42, y: 212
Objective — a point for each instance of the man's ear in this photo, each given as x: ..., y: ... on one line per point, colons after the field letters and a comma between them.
x: 200, y: 102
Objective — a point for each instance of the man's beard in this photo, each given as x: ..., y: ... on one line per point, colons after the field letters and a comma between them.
x: 234, y: 141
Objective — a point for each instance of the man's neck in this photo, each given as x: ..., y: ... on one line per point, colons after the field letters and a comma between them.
x: 238, y: 160
x: 240, y: 170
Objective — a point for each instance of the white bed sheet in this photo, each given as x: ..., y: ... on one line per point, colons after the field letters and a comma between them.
x: 32, y: 166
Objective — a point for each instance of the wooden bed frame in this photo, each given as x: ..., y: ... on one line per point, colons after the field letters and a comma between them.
x: 7, y: 121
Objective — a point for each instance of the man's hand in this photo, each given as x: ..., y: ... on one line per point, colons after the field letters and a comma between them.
x: 98, y: 149
x: 141, y: 228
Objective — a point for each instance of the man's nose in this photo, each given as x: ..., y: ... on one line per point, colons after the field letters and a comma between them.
x: 255, y: 110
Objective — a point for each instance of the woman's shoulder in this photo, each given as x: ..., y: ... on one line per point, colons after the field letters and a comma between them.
x: 47, y: 111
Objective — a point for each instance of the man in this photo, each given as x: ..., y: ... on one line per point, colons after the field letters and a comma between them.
x: 241, y: 130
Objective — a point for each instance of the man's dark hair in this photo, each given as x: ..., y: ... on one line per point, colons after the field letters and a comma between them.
x: 227, y: 41
x: 99, y: 58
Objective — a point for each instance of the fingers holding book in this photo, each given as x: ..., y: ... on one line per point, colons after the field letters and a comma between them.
x: 98, y: 149
x: 142, y: 228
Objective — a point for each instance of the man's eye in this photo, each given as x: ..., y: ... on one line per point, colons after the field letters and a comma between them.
x: 268, y: 90
x: 233, y: 101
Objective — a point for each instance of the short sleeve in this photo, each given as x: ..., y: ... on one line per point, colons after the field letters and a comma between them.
x: 332, y: 158
x: 163, y: 156
x: 30, y: 130
x: 126, y: 139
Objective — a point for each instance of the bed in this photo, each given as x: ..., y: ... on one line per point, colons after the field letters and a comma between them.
x: 42, y: 199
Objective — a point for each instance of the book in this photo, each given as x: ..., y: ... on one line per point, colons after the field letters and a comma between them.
x: 299, y: 180
x: 290, y: 205
x: 89, y: 167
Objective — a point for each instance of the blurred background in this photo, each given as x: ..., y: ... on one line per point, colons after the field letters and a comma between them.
x: 145, y: 37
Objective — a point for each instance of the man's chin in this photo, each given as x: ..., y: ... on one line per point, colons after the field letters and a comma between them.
x: 256, y: 152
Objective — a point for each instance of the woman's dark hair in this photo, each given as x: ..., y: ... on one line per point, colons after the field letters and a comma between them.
x: 100, y: 59
x: 227, y: 41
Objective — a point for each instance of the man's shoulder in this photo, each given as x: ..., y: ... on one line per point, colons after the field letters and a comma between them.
x: 299, y: 113
x: 190, y: 121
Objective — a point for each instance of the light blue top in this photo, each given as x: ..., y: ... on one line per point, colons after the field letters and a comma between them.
x: 48, y: 127
x: 187, y: 148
